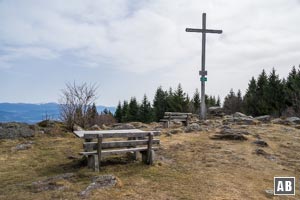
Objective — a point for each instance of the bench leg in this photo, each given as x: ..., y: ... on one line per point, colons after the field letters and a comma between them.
x: 148, y: 160
x: 96, y: 163
x: 166, y: 124
x: 93, y: 162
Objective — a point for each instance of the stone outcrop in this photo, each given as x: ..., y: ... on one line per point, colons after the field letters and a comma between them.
x: 14, y: 130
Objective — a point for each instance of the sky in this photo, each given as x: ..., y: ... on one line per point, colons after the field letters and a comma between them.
x: 131, y: 47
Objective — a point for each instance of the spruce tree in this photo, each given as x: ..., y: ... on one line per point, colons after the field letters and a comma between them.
x: 125, y: 110
x: 250, y: 98
x: 118, y: 113
x: 133, y: 110
x: 196, y: 102
x: 275, y: 94
x: 262, y: 104
x: 145, y: 112
x: 159, y: 103
x: 180, y: 102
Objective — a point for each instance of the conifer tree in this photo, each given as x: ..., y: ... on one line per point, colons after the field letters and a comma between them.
x: 196, y: 102
x: 159, y: 103
x: 118, y: 113
x: 146, y: 112
x: 250, y: 98
x: 133, y: 110
x: 262, y: 105
x: 125, y: 110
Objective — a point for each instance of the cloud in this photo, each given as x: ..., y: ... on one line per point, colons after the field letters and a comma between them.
x: 148, y: 37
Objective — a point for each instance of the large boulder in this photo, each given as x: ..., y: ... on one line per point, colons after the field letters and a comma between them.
x: 14, y: 130
x: 192, y: 127
x: 215, y: 111
x: 239, y: 114
x: 230, y: 134
x: 121, y: 126
x: 239, y: 118
x: 99, y: 182
x: 293, y: 120
x: 264, y: 118
x: 58, y: 182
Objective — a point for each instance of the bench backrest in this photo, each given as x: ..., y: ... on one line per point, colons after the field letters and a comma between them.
x: 133, y: 139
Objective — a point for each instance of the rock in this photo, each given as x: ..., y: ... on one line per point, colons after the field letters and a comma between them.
x: 104, y: 127
x: 269, y: 192
x: 98, y: 182
x: 23, y: 146
x: 277, y: 121
x: 14, y: 130
x: 52, y: 183
x: 239, y: 118
x: 95, y: 128
x: 192, y: 127
x: 297, y: 126
x: 263, y: 153
x: 264, y: 118
x: 139, y: 125
x: 260, y: 143
x: 230, y: 134
x: 123, y: 126
x: 77, y: 128
x: 225, y: 127
x: 239, y: 114
x: 295, y: 120
x: 215, y: 111
x: 175, y: 131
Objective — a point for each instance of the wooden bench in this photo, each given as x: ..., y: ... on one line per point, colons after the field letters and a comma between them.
x: 176, y: 116
x: 137, y: 141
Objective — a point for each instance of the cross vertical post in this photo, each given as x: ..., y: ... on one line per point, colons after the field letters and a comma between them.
x: 203, y: 73
x: 203, y: 106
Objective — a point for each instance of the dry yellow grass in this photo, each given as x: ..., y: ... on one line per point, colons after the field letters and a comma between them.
x: 189, y: 166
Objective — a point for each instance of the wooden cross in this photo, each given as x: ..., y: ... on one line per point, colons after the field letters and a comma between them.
x: 203, y: 73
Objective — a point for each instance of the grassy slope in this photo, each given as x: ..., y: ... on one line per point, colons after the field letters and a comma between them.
x: 189, y: 166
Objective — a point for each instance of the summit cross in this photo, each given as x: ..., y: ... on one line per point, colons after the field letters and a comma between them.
x: 203, y: 73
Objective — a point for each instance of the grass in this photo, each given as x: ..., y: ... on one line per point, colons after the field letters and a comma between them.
x: 188, y: 166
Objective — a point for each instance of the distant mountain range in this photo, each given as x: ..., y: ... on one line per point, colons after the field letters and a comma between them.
x: 32, y: 113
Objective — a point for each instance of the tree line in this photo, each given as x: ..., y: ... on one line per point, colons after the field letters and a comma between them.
x: 268, y: 95
x: 164, y: 101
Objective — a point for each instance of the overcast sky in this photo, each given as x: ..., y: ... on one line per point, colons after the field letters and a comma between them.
x: 131, y: 47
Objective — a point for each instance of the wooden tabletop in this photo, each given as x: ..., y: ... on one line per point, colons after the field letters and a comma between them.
x: 81, y: 133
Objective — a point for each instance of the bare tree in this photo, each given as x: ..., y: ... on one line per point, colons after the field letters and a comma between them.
x: 74, y: 103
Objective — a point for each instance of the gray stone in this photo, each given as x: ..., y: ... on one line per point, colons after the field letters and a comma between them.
x: 269, y: 192
x: 95, y: 127
x: 175, y: 131
x: 15, y: 130
x: 264, y: 118
x: 216, y: 111
x: 239, y: 114
x: 99, y: 182
x: 123, y: 126
x: 77, y: 128
x: 260, y: 143
x: 192, y: 127
x: 23, y: 146
x: 261, y: 152
x: 230, y: 134
x: 277, y: 121
x: 139, y: 125
x: 295, y: 120
x: 51, y: 183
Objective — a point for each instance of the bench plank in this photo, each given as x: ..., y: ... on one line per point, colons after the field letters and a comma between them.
x: 118, y: 144
x: 117, y: 151
x: 92, y: 135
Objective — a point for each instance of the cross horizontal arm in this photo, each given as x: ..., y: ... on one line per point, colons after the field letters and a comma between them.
x: 201, y: 30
